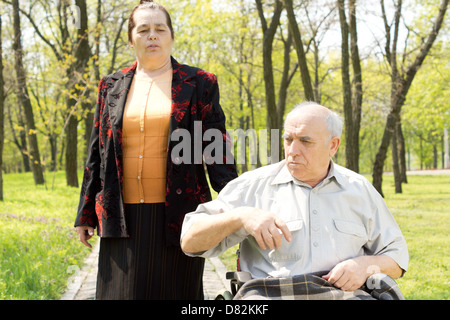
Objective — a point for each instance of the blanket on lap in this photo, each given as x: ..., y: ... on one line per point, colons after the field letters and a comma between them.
x: 312, y: 287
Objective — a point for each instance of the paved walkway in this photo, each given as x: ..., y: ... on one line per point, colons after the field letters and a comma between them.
x: 81, y: 286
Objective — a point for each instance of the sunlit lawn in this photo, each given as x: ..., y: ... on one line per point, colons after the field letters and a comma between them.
x: 422, y: 212
x: 38, y: 247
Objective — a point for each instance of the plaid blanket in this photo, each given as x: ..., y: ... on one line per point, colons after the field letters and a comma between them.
x: 312, y: 287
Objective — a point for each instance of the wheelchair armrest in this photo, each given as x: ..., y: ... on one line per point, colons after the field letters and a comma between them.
x: 240, y: 276
x: 237, y: 279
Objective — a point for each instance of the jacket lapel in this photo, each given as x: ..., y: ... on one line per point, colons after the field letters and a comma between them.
x: 182, y: 89
x: 120, y: 83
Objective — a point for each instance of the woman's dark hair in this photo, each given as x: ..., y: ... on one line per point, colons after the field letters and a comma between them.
x: 148, y: 4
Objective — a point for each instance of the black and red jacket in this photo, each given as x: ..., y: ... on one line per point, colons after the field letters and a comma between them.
x: 195, y: 97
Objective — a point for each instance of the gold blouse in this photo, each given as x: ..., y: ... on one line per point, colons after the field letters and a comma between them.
x: 145, y: 136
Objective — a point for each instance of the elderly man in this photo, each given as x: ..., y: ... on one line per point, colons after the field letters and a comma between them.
x: 302, y: 215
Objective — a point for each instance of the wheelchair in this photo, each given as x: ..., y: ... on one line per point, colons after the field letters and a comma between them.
x: 378, y: 286
x: 237, y: 280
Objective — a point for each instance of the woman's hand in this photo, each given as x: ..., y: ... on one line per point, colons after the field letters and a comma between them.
x: 85, y: 234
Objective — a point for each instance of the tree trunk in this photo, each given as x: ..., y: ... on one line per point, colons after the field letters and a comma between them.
x: 401, y: 84
x: 2, y: 108
x: 352, y: 90
x: 446, y: 157
x: 21, y: 140
x: 401, y: 151
x: 285, y: 79
x: 395, y: 159
x: 346, y: 86
x: 88, y: 107
x: 23, y: 97
x: 82, y: 54
x: 357, y: 95
x: 301, y: 55
x: 268, y: 37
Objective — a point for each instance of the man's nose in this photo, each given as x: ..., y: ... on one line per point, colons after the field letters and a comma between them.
x: 294, y: 148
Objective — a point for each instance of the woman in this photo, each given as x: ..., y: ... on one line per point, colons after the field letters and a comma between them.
x: 132, y: 191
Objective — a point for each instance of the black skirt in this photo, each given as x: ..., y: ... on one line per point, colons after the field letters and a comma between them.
x: 142, y: 267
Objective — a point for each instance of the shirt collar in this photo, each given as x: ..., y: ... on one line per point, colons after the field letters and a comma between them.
x: 333, y: 173
x: 284, y: 176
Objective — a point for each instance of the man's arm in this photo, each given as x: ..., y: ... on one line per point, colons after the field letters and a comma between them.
x: 208, y: 231
x: 351, y: 274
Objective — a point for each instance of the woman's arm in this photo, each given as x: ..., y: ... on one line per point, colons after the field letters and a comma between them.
x: 86, y: 216
x: 223, y: 170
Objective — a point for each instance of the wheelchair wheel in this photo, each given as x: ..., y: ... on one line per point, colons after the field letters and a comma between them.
x: 224, y: 295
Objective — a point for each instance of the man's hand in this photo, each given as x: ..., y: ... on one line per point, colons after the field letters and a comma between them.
x: 267, y: 228
x: 349, y: 275
x: 85, y: 234
x: 207, y: 232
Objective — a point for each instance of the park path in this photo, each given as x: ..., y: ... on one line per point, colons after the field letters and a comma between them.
x: 81, y: 286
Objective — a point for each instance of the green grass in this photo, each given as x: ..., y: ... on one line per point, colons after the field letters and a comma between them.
x: 38, y: 245
x: 422, y: 212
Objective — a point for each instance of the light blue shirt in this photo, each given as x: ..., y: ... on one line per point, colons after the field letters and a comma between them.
x: 341, y: 218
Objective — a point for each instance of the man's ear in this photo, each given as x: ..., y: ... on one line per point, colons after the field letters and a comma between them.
x: 334, y: 145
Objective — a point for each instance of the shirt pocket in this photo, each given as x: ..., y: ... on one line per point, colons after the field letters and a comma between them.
x: 290, y: 251
x: 295, y: 225
x: 350, y: 239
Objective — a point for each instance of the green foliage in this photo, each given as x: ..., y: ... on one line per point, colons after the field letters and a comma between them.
x: 427, y: 111
x: 38, y: 244
x: 225, y: 37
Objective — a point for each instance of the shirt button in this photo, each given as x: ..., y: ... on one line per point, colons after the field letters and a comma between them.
x: 139, y: 177
x: 140, y: 156
x: 142, y: 129
x: 142, y: 200
x: 315, y: 244
x: 315, y: 211
x: 179, y: 191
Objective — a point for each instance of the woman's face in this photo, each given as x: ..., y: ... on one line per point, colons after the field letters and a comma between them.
x: 151, y: 38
